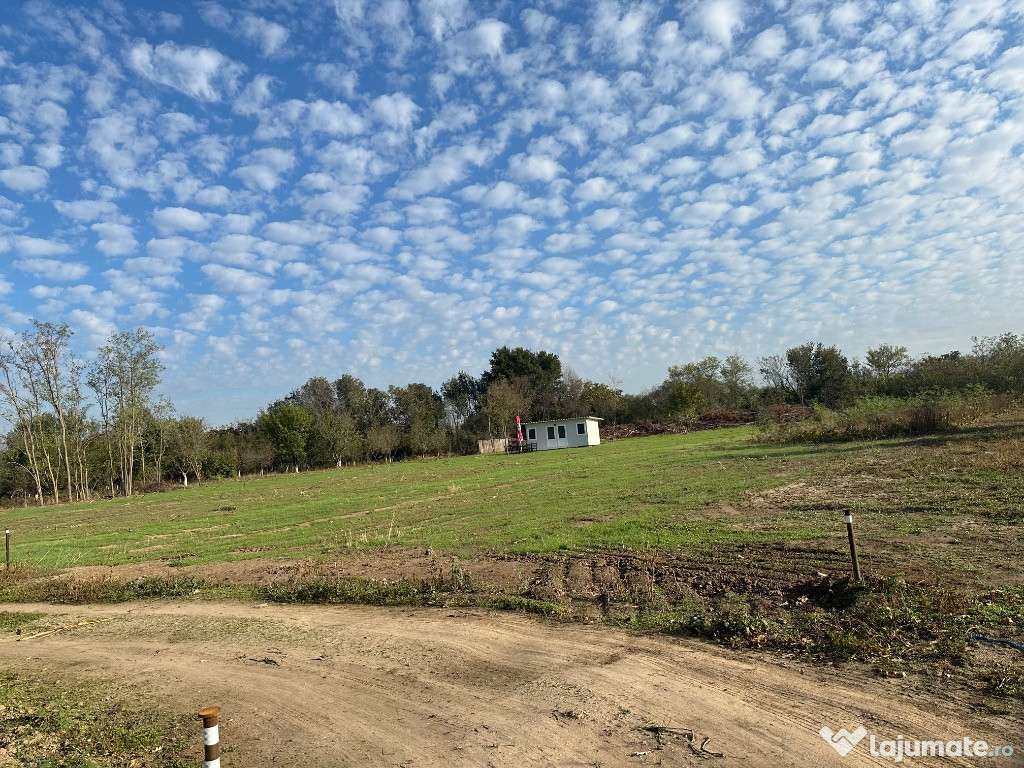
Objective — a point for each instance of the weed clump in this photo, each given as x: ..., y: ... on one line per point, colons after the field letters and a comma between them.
x: 887, y: 621
x: 329, y: 589
x: 78, y: 591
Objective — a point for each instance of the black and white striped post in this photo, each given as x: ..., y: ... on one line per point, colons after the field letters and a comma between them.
x: 211, y: 737
x: 848, y: 517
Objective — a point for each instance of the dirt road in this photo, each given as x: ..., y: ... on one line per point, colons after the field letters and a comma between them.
x: 356, y: 686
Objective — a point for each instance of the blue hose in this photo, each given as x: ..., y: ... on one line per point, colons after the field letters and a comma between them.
x: 994, y: 641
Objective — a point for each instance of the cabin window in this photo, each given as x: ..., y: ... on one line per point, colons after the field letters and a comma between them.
x: 551, y: 433
x: 561, y: 431
x: 581, y: 429
x: 531, y: 433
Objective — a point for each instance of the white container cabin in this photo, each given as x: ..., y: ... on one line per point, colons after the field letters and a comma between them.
x: 563, y: 433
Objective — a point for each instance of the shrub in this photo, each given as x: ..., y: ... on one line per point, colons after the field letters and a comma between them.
x: 882, y: 417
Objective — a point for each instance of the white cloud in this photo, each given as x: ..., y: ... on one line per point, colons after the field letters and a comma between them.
x: 594, y: 189
x: 741, y: 161
x: 115, y: 239
x: 256, y: 95
x: 205, y: 307
x: 265, y: 167
x: 720, y: 19
x: 977, y: 43
x: 86, y: 210
x: 515, y: 229
x: 770, y: 43
x: 37, y: 246
x: 442, y: 171
x: 338, y: 78
x: 334, y: 118
x: 236, y: 281
x: 268, y: 35
x: 295, y: 232
x: 168, y: 220
x: 535, y: 167
x: 202, y: 73
x: 24, y: 178
x: 605, y: 218
x: 620, y: 35
x: 396, y: 110
x: 52, y: 269
x: 485, y: 39
x: 845, y: 17
x: 443, y: 17
x: 49, y: 155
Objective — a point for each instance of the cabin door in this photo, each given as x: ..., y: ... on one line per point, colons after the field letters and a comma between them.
x: 563, y: 441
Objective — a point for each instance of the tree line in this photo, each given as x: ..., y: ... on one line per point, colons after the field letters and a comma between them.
x: 100, y: 428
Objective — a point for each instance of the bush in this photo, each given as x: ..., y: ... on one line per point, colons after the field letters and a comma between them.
x: 882, y: 417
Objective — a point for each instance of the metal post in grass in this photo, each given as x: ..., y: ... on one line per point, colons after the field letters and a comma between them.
x: 7, y: 549
x: 853, y: 545
x: 211, y: 736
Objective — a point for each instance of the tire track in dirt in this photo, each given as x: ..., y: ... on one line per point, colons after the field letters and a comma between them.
x: 340, y: 686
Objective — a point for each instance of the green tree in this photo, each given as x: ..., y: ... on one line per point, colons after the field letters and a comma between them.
x: 886, y: 361
x: 541, y: 372
x: 505, y: 400
x: 602, y: 401
x: 419, y: 412
x: 820, y: 374
x: 189, y: 447
x: 383, y: 440
x: 287, y: 427
x: 693, y: 388
x: 124, y: 376
x: 737, y: 383
x: 1000, y: 362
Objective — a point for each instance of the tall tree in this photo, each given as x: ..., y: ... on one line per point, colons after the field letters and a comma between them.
x: 190, y: 446
x: 737, y: 382
x: 19, y: 409
x: 46, y: 350
x: 124, y: 376
x: 287, y: 426
x: 541, y: 372
x: 602, y: 400
x: 694, y: 387
x: 506, y: 399
x: 419, y: 412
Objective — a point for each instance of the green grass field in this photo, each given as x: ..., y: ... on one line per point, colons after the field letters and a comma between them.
x: 663, y: 494
x: 712, y: 534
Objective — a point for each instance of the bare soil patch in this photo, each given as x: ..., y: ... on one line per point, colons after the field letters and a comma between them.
x: 365, y: 686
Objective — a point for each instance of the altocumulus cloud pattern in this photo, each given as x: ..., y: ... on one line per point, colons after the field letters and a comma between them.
x: 285, y: 188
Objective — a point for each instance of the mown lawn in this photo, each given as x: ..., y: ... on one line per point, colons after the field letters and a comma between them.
x: 658, y: 493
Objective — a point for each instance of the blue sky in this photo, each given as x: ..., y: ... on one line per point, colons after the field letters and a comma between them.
x: 280, y: 189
